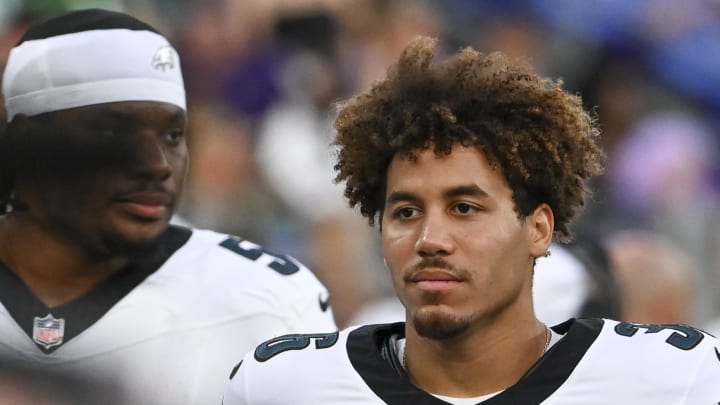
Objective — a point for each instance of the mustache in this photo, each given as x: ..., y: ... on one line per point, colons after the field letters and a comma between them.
x: 435, y: 263
x: 149, y: 191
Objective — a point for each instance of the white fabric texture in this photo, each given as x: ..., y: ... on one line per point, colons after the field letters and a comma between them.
x: 91, y: 67
x: 176, y: 336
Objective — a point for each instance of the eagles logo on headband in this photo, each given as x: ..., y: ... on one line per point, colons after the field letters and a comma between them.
x: 90, y: 57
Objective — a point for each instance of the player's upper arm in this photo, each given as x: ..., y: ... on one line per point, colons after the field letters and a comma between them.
x: 706, y: 384
x: 286, y: 369
x: 311, y: 304
x: 235, y: 394
x: 298, y: 295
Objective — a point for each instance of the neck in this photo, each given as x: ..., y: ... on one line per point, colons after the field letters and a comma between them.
x: 482, y: 361
x: 57, y: 272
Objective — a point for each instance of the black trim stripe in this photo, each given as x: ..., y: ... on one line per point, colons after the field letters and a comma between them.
x: 544, y: 378
x: 84, y: 311
x: 364, y: 350
x: 84, y: 20
x: 555, y: 367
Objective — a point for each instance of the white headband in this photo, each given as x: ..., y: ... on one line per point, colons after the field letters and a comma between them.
x: 91, y: 67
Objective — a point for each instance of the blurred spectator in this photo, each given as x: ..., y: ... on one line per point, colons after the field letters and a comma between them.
x: 656, y: 281
x: 225, y: 190
x: 293, y: 151
x: 662, y: 178
x: 231, y: 58
x: 374, y: 34
x: 665, y: 159
x: 713, y: 327
x: 575, y: 281
x: 560, y: 286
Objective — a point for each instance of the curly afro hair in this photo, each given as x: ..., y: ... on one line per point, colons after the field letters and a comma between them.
x: 545, y: 144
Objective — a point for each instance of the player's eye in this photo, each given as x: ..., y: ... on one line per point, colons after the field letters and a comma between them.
x: 108, y: 132
x: 112, y: 132
x: 465, y: 208
x: 176, y: 135
x: 405, y: 213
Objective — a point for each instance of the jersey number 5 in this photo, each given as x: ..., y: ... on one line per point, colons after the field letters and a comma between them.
x: 281, y: 263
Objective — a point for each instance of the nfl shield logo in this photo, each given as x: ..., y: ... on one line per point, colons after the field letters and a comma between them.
x: 48, y: 331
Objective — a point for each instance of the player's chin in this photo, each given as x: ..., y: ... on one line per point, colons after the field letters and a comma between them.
x: 439, y: 322
x: 137, y: 235
x: 146, y: 232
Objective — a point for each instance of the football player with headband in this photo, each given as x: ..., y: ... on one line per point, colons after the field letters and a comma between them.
x: 93, y: 280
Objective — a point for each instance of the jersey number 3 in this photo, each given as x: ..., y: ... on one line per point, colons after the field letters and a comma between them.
x: 684, y: 337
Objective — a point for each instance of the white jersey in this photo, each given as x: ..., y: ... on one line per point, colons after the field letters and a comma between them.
x: 169, y: 329
x: 596, y: 362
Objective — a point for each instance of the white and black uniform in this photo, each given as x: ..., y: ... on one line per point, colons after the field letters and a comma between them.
x: 596, y: 362
x: 169, y: 328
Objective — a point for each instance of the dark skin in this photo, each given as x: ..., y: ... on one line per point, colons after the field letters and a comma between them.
x: 105, y: 204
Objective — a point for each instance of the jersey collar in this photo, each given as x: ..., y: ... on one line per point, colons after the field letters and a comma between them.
x: 367, y: 344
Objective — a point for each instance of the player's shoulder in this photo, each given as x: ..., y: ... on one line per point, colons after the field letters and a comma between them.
x: 241, y: 276
x: 658, y: 337
x: 655, y: 345
x: 305, y: 352
x: 329, y: 367
x: 609, y: 356
x: 296, y: 365
x: 227, y: 257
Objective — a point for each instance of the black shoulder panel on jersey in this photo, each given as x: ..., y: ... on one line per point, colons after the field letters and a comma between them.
x: 552, y: 370
x: 84, y: 20
x: 364, y: 347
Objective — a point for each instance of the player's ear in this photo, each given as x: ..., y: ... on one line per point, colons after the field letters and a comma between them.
x: 541, y: 224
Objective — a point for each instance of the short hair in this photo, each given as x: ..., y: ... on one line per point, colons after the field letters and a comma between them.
x: 540, y: 137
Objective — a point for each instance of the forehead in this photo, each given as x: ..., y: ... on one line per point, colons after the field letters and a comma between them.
x: 126, y: 112
x: 463, y: 166
x: 98, y: 137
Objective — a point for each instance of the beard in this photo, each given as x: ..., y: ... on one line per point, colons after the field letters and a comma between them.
x: 436, y: 325
x: 433, y: 322
x: 107, y: 243
x: 113, y: 244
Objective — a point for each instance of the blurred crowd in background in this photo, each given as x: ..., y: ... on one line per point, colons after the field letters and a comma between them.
x: 263, y: 77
